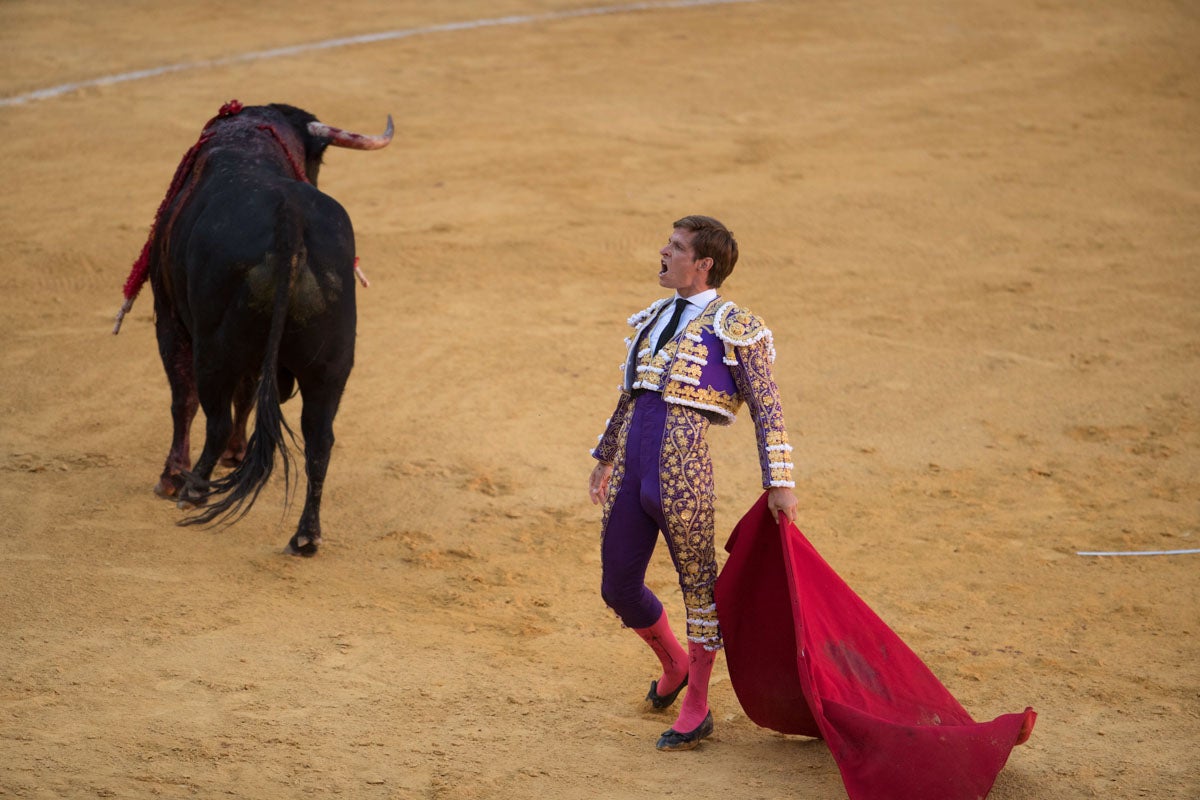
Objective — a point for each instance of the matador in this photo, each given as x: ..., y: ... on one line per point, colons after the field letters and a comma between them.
x: 693, y: 360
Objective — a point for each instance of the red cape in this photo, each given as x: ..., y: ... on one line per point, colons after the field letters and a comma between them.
x: 807, y: 656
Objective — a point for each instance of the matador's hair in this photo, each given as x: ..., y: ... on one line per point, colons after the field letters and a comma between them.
x: 711, y: 239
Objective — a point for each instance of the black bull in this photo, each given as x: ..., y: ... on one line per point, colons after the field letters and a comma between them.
x: 253, y: 273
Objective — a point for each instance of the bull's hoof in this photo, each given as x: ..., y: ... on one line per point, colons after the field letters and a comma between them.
x: 168, y: 488
x: 303, y: 545
x: 232, y: 459
x: 189, y: 500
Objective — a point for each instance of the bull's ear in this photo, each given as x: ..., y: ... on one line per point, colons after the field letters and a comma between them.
x: 312, y: 168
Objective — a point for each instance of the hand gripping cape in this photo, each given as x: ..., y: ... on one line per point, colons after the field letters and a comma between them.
x: 807, y: 656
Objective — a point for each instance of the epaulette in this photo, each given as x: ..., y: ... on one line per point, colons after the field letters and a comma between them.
x: 737, y: 327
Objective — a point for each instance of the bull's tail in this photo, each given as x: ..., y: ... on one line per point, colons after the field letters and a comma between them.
x: 240, y: 488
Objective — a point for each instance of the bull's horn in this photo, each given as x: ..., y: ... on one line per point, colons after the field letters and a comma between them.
x: 357, y: 141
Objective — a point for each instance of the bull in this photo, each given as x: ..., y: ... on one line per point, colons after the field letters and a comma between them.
x: 253, y: 275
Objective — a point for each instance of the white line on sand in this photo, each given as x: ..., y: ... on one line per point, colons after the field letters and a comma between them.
x: 368, y: 38
x: 1138, y: 553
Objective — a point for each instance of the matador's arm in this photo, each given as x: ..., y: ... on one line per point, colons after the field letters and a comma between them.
x: 606, y: 450
x: 756, y: 384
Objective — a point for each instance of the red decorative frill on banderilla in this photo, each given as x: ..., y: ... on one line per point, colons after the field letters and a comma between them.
x: 807, y: 656
x: 141, y: 267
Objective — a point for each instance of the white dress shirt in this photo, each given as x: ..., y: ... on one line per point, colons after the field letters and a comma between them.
x: 694, y: 308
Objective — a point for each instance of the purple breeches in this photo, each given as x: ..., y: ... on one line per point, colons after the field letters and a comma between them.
x: 662, y: 481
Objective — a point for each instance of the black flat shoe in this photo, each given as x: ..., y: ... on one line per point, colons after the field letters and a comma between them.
x: 674, y: 740
x: 661, y: 701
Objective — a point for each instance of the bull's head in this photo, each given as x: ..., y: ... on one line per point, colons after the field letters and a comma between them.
x: 317, y: 136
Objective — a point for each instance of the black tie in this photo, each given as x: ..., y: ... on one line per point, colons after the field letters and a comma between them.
x: 669, y: 331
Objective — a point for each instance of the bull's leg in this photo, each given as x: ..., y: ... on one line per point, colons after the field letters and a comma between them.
x: 175, y: 349
x: 216, y: 402
x: 316, y: 423
x: 243, y: 403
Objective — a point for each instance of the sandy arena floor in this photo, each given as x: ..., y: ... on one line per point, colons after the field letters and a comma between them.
x: 971, y: 225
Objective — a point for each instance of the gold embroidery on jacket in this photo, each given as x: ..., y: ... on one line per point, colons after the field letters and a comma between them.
x: 754, y: 382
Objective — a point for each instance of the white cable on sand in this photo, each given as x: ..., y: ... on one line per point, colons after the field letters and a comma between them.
x: 1138, y: 553
x: 260, y: 55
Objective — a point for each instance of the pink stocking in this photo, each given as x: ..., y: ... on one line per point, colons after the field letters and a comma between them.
x: 664, y: 644
x: 695, y: 702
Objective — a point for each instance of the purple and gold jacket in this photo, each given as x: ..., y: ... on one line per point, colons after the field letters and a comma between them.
x: 720, y: 360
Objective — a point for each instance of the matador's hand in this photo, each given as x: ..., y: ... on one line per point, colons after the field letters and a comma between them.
x: 598, y: 484
x: 782, y: 499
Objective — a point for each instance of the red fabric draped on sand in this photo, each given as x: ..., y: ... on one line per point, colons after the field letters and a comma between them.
x: 807, y: 656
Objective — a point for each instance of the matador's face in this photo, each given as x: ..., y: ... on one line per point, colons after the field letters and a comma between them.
x: 679, y: 269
